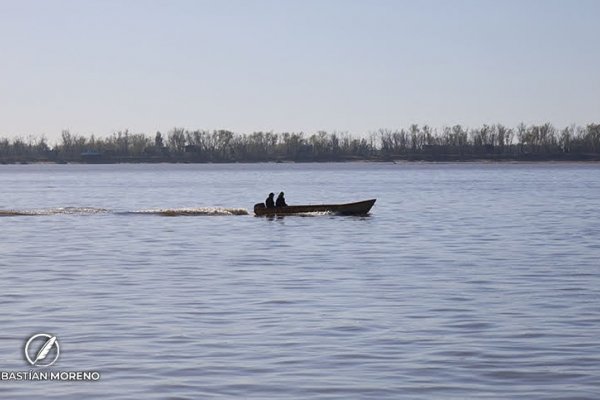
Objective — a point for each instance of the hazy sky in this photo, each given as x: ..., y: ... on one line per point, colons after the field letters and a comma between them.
x: 96, y: 67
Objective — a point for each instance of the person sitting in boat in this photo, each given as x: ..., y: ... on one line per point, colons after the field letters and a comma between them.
x: 280, y: 201
x: 270, y: 203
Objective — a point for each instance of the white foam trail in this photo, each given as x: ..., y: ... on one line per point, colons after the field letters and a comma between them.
x: 313, y: 213
x: 167, y: 212
x: 175, y: 212
x: 78, y: 210
x: 54, y: 211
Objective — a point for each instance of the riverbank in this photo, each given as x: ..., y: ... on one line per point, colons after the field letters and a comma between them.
x: 456, y: 143
x: 380, y: 159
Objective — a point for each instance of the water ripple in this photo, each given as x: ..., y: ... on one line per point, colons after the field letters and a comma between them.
x: 467, y: 281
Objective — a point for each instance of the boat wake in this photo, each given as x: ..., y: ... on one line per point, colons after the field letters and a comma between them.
x: 176, y: 212
x: 54, y: 211
x: 314, y: 213
x: 167, y: 212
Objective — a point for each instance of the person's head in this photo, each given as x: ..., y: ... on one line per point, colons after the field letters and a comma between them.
x: 281, y: 194
x: 271, y: 194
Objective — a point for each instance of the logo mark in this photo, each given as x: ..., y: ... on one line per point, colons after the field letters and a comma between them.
x: 42, y: 350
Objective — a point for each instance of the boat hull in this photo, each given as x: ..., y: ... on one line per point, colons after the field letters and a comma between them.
x: 357, y: 208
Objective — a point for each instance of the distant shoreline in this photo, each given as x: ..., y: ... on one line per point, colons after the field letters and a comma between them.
x: 413, y: 160
x: 488, y: 143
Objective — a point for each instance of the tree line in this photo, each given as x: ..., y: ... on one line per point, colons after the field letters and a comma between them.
x: 455, y: 143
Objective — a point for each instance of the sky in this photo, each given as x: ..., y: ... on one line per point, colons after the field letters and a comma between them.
x: 100, y: 66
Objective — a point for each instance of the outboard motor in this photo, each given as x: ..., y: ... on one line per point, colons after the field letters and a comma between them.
x: 259, y: 206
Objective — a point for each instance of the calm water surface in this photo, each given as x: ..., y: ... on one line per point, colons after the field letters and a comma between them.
x: 466, y: 281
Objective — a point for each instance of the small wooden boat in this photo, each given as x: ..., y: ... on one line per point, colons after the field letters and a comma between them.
x: 358, y: 208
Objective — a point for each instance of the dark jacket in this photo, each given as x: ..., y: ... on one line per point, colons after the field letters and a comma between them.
x: 280, y: 202
x: 269, y: 202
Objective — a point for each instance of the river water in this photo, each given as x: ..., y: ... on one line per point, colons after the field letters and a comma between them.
x: 466, y: 281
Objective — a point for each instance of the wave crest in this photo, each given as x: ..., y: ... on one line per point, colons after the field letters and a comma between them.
x: 54, y: 211
x: 167, y: 212
x: 176, y: 212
